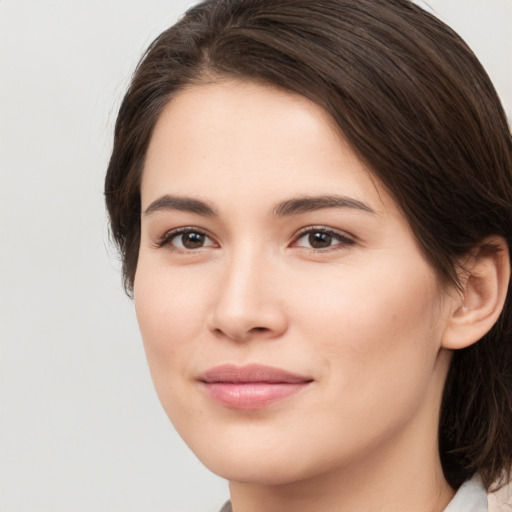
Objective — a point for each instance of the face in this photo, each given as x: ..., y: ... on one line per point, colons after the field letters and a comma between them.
x: 291, y: 324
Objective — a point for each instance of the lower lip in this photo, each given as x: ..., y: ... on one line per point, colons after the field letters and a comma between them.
x: 253, y: 395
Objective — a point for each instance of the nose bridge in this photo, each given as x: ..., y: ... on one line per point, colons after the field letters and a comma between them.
x: 246, y: 302
x: 247, y: 265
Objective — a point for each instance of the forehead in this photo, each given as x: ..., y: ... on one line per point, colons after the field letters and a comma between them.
x: 242, y: 140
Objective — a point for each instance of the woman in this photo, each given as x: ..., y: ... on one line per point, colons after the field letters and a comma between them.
x: 313, y: 205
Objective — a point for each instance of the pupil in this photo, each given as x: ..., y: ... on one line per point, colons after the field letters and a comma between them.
x: 193, y: 240
x: 320, y: 240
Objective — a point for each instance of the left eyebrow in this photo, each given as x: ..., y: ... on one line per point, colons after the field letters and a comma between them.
x: 305, y: 204
x: 180, y: 203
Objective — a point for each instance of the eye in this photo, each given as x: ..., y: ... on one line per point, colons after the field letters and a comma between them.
x: 321, y: 238
x: 186, y: 239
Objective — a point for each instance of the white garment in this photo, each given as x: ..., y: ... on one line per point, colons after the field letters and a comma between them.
x: 471, y: 497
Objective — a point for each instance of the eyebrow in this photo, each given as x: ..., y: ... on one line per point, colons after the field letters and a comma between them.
x: 305, y: 204
x: 183, y: 204
x: 294, y: 206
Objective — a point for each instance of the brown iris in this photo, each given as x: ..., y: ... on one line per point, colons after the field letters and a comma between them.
x: 319, y: 240
x: 193, y: 239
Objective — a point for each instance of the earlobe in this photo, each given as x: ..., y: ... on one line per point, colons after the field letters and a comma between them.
x: 484, y: 289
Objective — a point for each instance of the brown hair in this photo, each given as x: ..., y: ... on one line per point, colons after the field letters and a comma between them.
x: 415, y: 104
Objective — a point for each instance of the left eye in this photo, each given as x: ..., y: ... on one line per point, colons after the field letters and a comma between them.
x: 187, y: 239
x: 321, y: 239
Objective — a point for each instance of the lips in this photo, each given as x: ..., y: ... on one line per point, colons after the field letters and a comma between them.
x: 252, y: 386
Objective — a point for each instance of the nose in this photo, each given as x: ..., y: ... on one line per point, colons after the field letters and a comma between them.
x: 249, y: 302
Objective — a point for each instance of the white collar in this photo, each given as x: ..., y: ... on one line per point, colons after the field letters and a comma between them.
x: 471, y: 497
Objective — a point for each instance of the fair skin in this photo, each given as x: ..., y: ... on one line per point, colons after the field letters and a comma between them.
x: 337, y: 292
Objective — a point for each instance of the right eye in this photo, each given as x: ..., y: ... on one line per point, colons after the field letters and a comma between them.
x: 186, y: 239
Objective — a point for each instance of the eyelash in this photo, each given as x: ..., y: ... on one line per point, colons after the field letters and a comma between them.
x: 342, y: 239
x: 168, y: 237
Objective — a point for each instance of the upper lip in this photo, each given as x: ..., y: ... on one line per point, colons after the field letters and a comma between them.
x: 251, y: 373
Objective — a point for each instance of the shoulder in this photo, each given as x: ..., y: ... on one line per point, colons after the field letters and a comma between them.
x: 226, y: 507
x: 501, y: 500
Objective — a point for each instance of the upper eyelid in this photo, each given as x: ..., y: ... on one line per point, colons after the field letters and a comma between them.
x: 301, y: 232
x: 184, y: 229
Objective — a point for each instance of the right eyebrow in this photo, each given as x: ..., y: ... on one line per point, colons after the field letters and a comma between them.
x: 180, y: 203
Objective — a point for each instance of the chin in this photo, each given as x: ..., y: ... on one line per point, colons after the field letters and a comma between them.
x: 260, y: 457
x: 248, y: 462
x: 257, y: 470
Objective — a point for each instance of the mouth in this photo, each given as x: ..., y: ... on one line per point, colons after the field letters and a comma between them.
x: 252, y: 386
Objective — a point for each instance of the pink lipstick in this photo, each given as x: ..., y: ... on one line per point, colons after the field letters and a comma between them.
x: 252, y: 386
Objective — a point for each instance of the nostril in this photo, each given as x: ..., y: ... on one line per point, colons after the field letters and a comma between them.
x: 259, y: 329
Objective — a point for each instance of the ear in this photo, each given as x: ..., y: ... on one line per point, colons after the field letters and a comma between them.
x: 476, y: 308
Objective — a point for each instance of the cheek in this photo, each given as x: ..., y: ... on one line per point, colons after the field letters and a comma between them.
x: 375, y: 341
x: 373, y: 330
x: 171, y: 307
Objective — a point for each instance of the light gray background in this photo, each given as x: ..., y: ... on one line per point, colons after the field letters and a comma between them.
x: 81, y: 428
